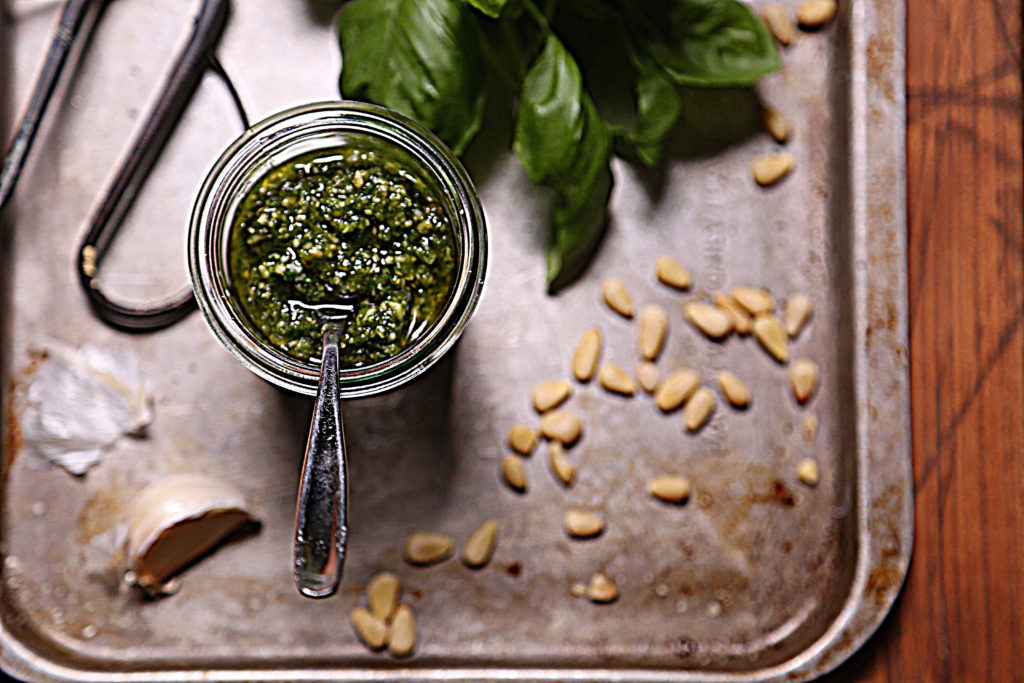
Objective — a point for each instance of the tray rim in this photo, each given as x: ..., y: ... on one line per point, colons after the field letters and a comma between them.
x: 859, y: 617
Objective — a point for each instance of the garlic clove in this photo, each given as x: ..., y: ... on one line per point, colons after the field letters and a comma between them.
x: 176, y: 520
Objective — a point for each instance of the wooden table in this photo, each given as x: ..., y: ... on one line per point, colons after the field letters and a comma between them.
x: 960, y: 617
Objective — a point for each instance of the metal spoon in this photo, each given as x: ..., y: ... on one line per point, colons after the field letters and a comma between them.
x: 321, y: 514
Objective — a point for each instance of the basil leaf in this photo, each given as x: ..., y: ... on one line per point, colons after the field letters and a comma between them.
x: 563, y: 143
x: 491, y: 8
x: 593, y: 34
x: 635, y: 98
x: 579, y: 222
x: 551, y: 121
x: 658, y: 106
x: 703, y: 42
x: 418, y: 57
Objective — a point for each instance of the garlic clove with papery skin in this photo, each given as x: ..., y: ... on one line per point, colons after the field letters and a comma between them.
x: 175, y: 521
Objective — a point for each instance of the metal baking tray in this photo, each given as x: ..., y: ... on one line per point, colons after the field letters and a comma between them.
x: 757, y: 578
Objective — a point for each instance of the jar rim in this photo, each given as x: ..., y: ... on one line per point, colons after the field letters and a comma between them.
x: 283, y: 134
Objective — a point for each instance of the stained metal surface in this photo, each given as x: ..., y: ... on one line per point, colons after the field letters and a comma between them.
x: 757, y: 578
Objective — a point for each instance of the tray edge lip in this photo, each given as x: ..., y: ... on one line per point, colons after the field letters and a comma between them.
x: 858, y: 605
x: 818, y: 659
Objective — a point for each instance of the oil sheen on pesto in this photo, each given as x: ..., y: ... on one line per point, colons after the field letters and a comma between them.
x: 348, y: 220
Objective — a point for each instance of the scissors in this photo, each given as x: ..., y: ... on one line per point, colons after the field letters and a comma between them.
x: 192, y: 61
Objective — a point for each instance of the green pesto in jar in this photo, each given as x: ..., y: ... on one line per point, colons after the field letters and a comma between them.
x: 349, y: 220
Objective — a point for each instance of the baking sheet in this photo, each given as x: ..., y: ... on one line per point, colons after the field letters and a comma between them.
x: 757, y: 578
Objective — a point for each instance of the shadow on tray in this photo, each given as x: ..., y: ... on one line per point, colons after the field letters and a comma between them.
x: 399, y: 448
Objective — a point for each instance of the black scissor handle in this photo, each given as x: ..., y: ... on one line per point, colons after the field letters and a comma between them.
x: 73, y: 17
x: 180, y: 85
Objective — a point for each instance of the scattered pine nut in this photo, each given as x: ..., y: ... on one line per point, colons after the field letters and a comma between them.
x: 522, y: 439
x: 755, y: 300
x: 588, y: 351
x: 382, y: 595
x: 772, y: 168
x: 811, y: 427
x: 807, y: 472
x: 480, y: 547
x: 550, y: 394
x: 647, y: 376
x: 562, y: 426
x: 616, y: 380
x: 777, y: 124
x: 741, y: 320
x: 578, y: 590
x: 735, y: 391
x: 560, y: 465
x: 427, y: 548
x: 780, y: 22
x: 617, y: 296
x: 670, y: 488
x: 371, y: 630
x: 403, y: 632
x: 772, y: 336
x: 676, y: 389
x: 672, y: 272
x: 582, y: 524
x: 601, y: 589
x: 799, y: 309
x: 514, y: 472
x: 653, y: 328
x: 803, y: 375
x: 712, y: 321
x: 816, y: 13
x: 698, y: 409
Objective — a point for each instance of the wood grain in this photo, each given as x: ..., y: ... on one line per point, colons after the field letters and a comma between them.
x: 961, y: 615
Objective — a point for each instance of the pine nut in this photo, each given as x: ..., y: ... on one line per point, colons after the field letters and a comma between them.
x: 653, y: 327
x: 712, y: 321
x: 403, y: 632
x: 427, y: 548
x: 582, y: 524
x: 676, y: 389
x: 772, y: 168
x: 562, y: 426
x: 382, y: 594
x: 698, y: 409
x: 735, y: 391
x: 617, y: 296
x: 672, y: 273
x: 370, y: 629
x: 616, y: 380
x: 816, y: 13
x: 550, y: 394
x: 586, y: 355
x: 780, y: 22
x: 803, y: 375
x: 670, y: 488
x: 480, y: 547
x: 799, y: 309
x: 522, y: 439
x: 514, y: 472
x: 772, y: 336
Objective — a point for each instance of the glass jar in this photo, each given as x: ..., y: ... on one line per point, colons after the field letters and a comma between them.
x: 281, y: 138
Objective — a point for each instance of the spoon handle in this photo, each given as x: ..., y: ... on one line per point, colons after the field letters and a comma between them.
x: 321, y: 524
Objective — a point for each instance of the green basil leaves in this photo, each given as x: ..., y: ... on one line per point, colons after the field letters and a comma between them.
x: 430, y: 60
x: 418, y: 57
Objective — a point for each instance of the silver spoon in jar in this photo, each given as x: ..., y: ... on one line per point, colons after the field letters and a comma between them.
x: 321, y: 514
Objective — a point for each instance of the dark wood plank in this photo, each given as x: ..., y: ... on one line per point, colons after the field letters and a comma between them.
x: 961, y: 615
